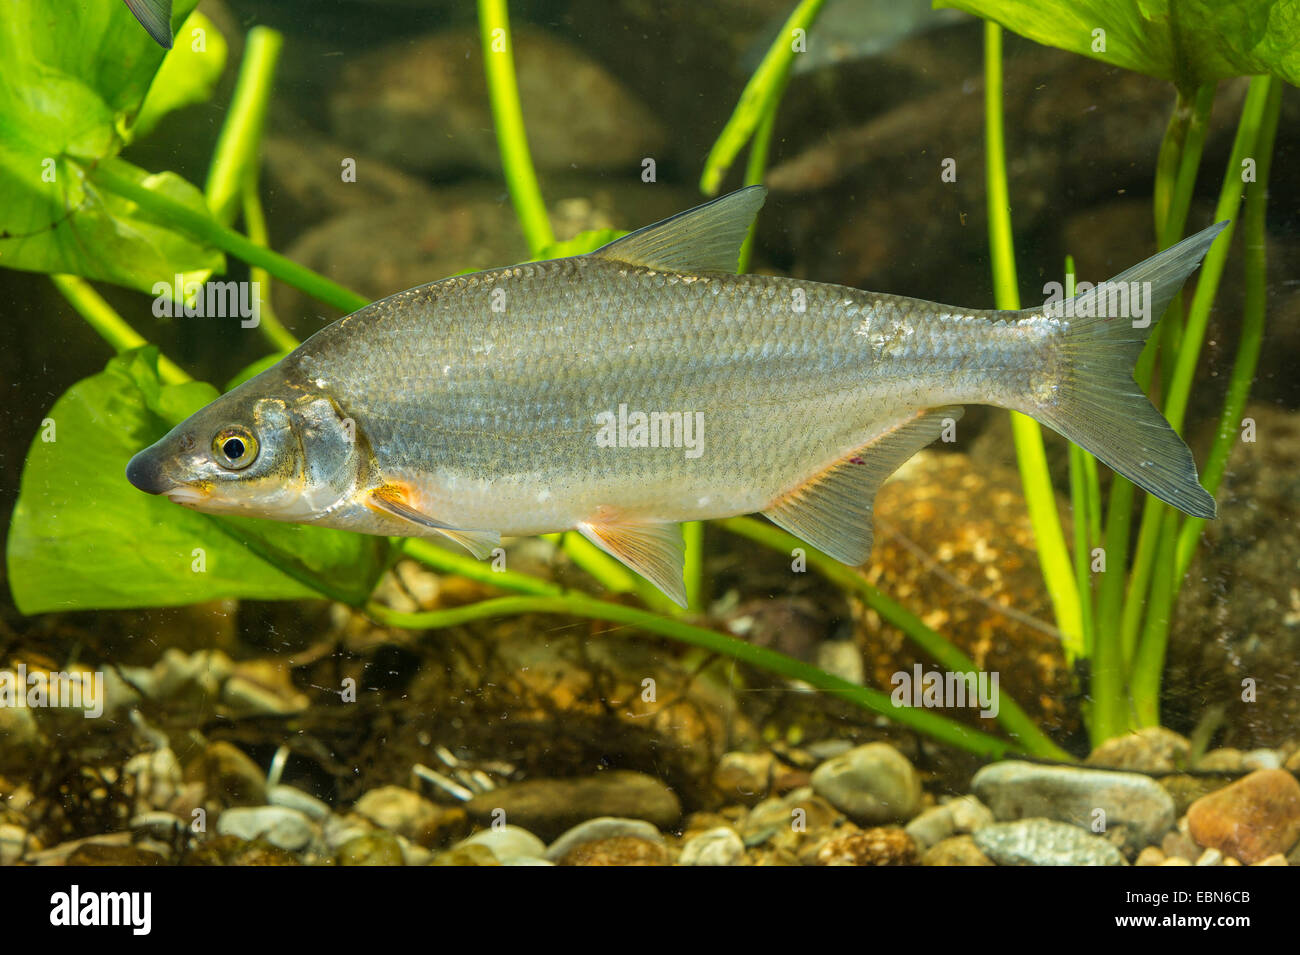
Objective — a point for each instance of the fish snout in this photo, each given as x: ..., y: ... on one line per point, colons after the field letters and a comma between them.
x: 146, y: 473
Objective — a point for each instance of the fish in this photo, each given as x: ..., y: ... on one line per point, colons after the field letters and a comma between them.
x: 156, y: 17
x: 850, y: 30
x: 625, y: 391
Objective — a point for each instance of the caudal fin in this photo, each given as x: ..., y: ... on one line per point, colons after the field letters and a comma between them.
x: 1099, y: 406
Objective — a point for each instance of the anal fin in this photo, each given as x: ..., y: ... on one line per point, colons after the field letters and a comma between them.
x: 392, y: 500
x: 655, y: 551
x: 832, y: 510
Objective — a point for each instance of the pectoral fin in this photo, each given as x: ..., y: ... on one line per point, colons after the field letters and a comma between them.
x: 655, y: 551
x: 832, y: 510
x: 392, y: 500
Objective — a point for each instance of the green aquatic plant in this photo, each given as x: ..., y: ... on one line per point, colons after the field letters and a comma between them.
x: 1120, y: 621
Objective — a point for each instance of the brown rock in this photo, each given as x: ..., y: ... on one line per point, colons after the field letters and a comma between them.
x: 1151, y: 750
x: 92, y: 854
x: 549, y: 807
x: 617, y: 850
x: 956, y: 850
x: 1251, y: 819
x: 884, y: 845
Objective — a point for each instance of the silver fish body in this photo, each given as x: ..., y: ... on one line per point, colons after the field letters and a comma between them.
x: 622, y: 392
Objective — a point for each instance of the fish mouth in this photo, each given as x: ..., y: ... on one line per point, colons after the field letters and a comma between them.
x: 186, y: 496
x: 145, y: 471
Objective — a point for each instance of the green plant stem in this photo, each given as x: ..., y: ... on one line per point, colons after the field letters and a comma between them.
x: 1252, y: 132
x: 1080, y: 500
x: 1254, y: 267
x: 925, y: 721
x: 238, y: 148
x: 1040, y: 498
x: 102, y: 317
x: 1149, y: 656
x: 1198, y: 316
x: 1118, y: 616
x: 202, y: 226
x: 508, y: 117
x: 756, y: 167
x: 759, y: 98
x: 1010, y: 715
x: 693, y: 535
x: 272, y: 329
x: 471, y: 568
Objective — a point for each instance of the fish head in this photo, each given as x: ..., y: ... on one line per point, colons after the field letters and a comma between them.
x: 265, y: 449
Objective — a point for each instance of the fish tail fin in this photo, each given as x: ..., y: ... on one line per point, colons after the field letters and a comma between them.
x: 1097, y: 404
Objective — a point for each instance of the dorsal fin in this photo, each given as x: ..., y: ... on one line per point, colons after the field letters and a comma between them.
x: 704, y: 239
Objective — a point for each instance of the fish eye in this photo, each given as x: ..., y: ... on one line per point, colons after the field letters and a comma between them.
x: 234, y: 448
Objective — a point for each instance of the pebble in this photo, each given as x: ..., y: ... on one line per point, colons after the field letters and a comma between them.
x: 292, y: 798
x: 1224, y: 760
x: 956, y: 850
x: 284, y: 828
x: 1151, y: 855
x: 1151, y: 750
x: 13, y: 840
x: 400, y: 810
x: 1261, y: 759
x: 374, y: 848
x: 871, y: 784
x: 1044, y: 842
x: 931, y: 827
x: 1019, y: 790
x: 466, y: 855
x: 617, y: 850
x: 1292, y: 764
x: 744, y: 777
x: 1275, y: 859
x: 798, y: 812
x: 720, y: 846
x: 1251, y: 819
x: 231, y: 775
x: 508, y: 843
x: 968, y: 814
x: 338, y: 831
x: 233, y: 851
x: 1210, y: 857
x: 884, y: 845
x: 1179, y: 844
x: 162, y: 825
x: 549, y: 807
x: 1176, y: 860
x: 606, y: 827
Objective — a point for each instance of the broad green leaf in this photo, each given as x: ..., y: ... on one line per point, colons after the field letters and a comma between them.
x: 188, y: 73
x: 74, y: 75
x: 83, y: 538
x: 1188, y: 42
x: 580, y: 244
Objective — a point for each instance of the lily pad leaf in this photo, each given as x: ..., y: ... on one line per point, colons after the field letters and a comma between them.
x: 188, y: 74
x: 83, y: 538
x: 1188, y: 42
x: 75, y: 75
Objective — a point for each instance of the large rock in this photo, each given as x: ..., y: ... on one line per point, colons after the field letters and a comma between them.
x: 547, y: 807
x: 871, y: 784
x: 1252, y: 819
x: 1044, y: 842
x: 1135, y: 805
x: 423, y: 104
